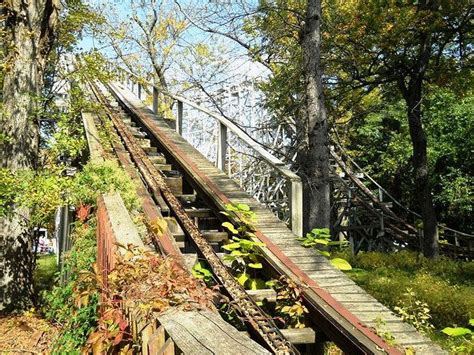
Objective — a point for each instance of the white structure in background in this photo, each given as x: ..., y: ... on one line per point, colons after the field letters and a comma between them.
x: 62, y: 85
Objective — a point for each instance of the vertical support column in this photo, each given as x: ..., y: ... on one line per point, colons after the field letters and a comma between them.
x: 139, y: 91
x: 296, y: 206
x: 382, y: 222
x: 155, y: 99
x: 229, y: 163
x: 179, y: 119
x: 221, y: 146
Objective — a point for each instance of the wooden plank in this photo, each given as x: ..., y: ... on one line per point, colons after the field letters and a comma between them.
x: 205, y: 332
x: 167, y: 348
x: 315, y: 266
x: 157, y: 340
x: 354, y: 297
x: 303, y: 259
x: 146, y: 334
x: 199, y: 212
x: 345, y: 289
x: 260, y: 295
x: 300, y: 336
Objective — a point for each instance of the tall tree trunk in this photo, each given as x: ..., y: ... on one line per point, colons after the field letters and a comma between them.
x: 29, y: 28
x: 412, y: 93
x: 420, y: 165
x: 313, y: 158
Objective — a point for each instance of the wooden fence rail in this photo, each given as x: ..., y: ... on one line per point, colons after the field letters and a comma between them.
x: 115, y: 227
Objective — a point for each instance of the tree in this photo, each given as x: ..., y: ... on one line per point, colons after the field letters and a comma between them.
x: 281, y: 36
x: 313, y: 155
x: 401, y: 46
x: 29, y: 33
x: 146, y: 41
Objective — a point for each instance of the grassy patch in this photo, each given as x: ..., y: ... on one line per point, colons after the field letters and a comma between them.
x: 44, y: 275
x: 445, y: 286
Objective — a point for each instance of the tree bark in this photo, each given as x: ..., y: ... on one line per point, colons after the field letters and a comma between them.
x: 29, y: 27
x: 412, y: 93
x: 420, y: 165
x: 313, y: 156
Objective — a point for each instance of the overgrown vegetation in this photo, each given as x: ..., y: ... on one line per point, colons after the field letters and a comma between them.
x: 76, y: 319
x: 243, y: 251
x: 424, y: 292
x: 146, y: 283
x: 320, y: 240
x: 244, y: 257
x: 45, y: 272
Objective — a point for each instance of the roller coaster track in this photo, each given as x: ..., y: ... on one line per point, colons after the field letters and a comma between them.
x: 384, y: 224
x: 190, y: 192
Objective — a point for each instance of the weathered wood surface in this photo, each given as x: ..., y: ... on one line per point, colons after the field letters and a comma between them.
x: 92, y: 136
x: 205, y: 332
x: 355, y: 299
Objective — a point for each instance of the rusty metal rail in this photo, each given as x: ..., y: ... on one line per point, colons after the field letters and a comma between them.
x: 260, y: 324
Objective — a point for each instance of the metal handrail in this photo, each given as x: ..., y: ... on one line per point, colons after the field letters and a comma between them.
x: 296, y: 186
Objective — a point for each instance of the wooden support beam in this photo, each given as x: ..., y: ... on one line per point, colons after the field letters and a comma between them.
x: 296, y: 206
x: 155, y: 100
x: 300, y: 335
x: 221, y: 146
x: 179, y: 118
x: 259, y: 295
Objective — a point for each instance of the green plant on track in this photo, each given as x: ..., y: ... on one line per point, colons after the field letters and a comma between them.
x: 244, y: 253
x: 202, y: 272
x: 320, y: 240
x: 289, y: 304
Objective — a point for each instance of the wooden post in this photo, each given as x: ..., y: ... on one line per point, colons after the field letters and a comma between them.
x: 221, y: 146
x: 155, y: 99
x: 296, y: 206
x: 179, y: 119
x: 382, y: 222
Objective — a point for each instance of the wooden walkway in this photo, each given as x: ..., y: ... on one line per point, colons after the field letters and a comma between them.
x: 320, y: 280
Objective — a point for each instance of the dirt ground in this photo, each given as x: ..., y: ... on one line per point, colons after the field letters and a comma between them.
x: 26, y: 334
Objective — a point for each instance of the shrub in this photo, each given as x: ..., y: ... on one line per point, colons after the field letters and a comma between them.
x: 444, y: 285
x: 60, y: 306
x: 99, y: 178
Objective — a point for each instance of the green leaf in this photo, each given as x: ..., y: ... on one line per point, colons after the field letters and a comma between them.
x: 255, y: 265
x: 230, y: 227
x: 456, y: 332
x: 197, y: 274
x: 322, y: 232
x: 238, y: 253
x: 471, y: 322
x: 341, y: 264
x: 231, y: 246
x: 324, y: 253
x: 243, y: 278
x: 243, y: 207
x: 321, y: 241
x: 256, y: 284
x: 270, y: 283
